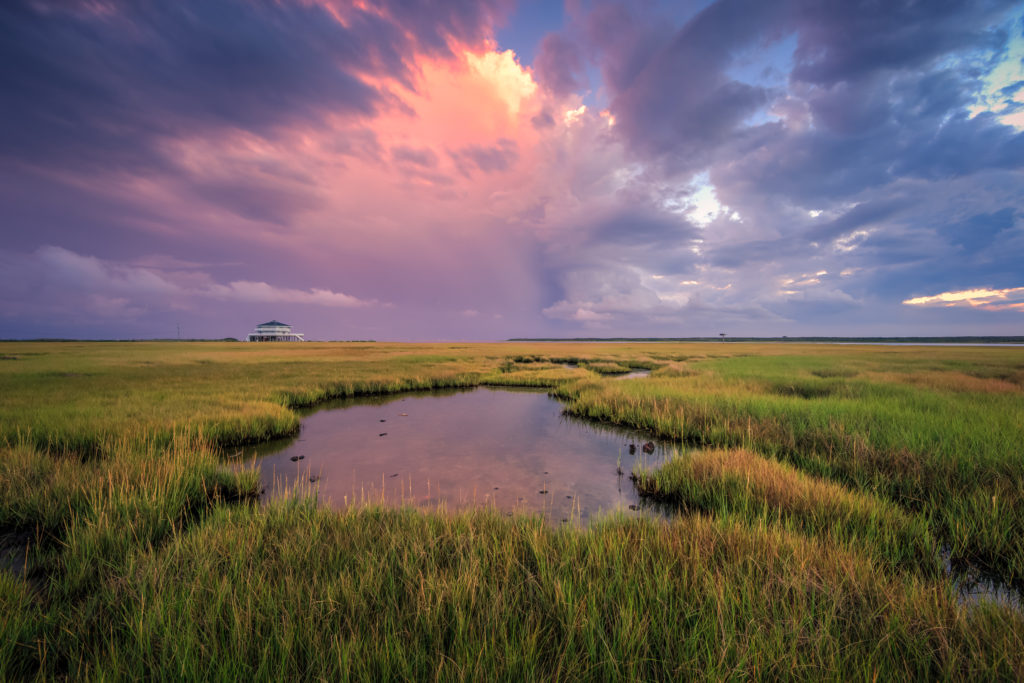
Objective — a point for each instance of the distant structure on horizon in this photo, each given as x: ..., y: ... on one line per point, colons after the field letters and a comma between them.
x: 274, y: 331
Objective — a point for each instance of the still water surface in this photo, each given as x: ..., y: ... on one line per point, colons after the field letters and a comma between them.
x: 484, y: 446
x: 513, y: 449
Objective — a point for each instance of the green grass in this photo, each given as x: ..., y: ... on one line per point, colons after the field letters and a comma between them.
x: 382, y: 594
x: 809, y: 550
x: 923, y: 434
x: 760, y: 491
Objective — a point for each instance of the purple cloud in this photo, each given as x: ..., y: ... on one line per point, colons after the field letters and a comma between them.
x: 784, y: 167
x: 559, y: 65
x: 486, y: 159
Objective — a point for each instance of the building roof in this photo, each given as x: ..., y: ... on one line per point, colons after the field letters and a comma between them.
x: 274, y: 323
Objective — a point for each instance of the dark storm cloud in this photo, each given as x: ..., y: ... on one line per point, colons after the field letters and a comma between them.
x: 754, y: 251
x: 981, y: 230
x: 811, y: 167
x: 962, y: 146
x: 932, y: 255
x: 107, y: 88
x: 862, y: 69
x: 844, y: 164
x: 860, y: 216
x: 671, y: 97
x: 848, y: 40
x: 782, y: 163
x: 101, y: 85
x: 431, y: 23
x: 559, y: 65
x: 257, y: 200
x: 645, y: 228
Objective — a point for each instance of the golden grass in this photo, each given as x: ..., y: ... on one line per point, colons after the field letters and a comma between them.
x: 740, y: 482
x: 777, y: 484
x: 375, y: 594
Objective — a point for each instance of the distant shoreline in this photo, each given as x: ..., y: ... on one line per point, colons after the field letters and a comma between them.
x: 931, y: 341
x: 889, y: 341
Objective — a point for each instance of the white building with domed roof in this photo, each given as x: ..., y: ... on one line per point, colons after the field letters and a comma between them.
x: 274, y: 331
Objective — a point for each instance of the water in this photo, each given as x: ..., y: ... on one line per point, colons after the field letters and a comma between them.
x: 481, y: 447
x: 513, y: 449
x: 14, y: 551
x: 971, y: 591
x: 632, y: 374
x: 972, y: 585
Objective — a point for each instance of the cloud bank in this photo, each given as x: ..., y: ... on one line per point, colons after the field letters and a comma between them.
x: 659, y: 169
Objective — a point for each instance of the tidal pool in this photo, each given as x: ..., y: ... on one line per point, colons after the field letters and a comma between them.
x: 972, y: 585
x: 510, y: 448
x: 633, y: 374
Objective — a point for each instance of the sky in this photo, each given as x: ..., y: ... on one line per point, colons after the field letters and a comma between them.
x: 486, y: 169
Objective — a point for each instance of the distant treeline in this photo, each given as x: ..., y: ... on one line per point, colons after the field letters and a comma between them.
x: 834, y: 340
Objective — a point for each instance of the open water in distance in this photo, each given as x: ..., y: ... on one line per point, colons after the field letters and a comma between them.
x: 511, y: 448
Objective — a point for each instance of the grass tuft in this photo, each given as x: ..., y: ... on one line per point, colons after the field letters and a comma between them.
x: 758, y: 490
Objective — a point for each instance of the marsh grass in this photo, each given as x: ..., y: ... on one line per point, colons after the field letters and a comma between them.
x: 78, y: 398
x: 951, y: 455
x: 89, y: 520
x: 758, y: 490
x: 382, y: 594
x: 150, y: 558
x: 606, y: 367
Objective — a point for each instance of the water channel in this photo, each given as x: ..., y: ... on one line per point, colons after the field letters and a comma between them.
x: 511, y: 448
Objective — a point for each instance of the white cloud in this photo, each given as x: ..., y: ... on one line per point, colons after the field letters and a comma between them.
x: 983, y: 298
x: 852, y: 241
x: 89, y: 272
x: 111, y: 289
x: 567, y: 310
x: 573, y: 115
x: 511, y: 81
x: 701, y: 205
x: 261, y: 292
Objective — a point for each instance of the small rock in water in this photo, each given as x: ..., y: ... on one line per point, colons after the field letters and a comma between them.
x: 569, y: 497
x: 383, y: 420
x: 545, y: 472
x: 649, y: 447
x: 633, y: 507
x: 315, y: 478
x: 632, y: 448
x: 564, y: 519
x: 495, y: 488
x: 295, y: 458
x: 301, y: 457
x: 394, y: 475
x: 383, y: 434
x: 542, y: 491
